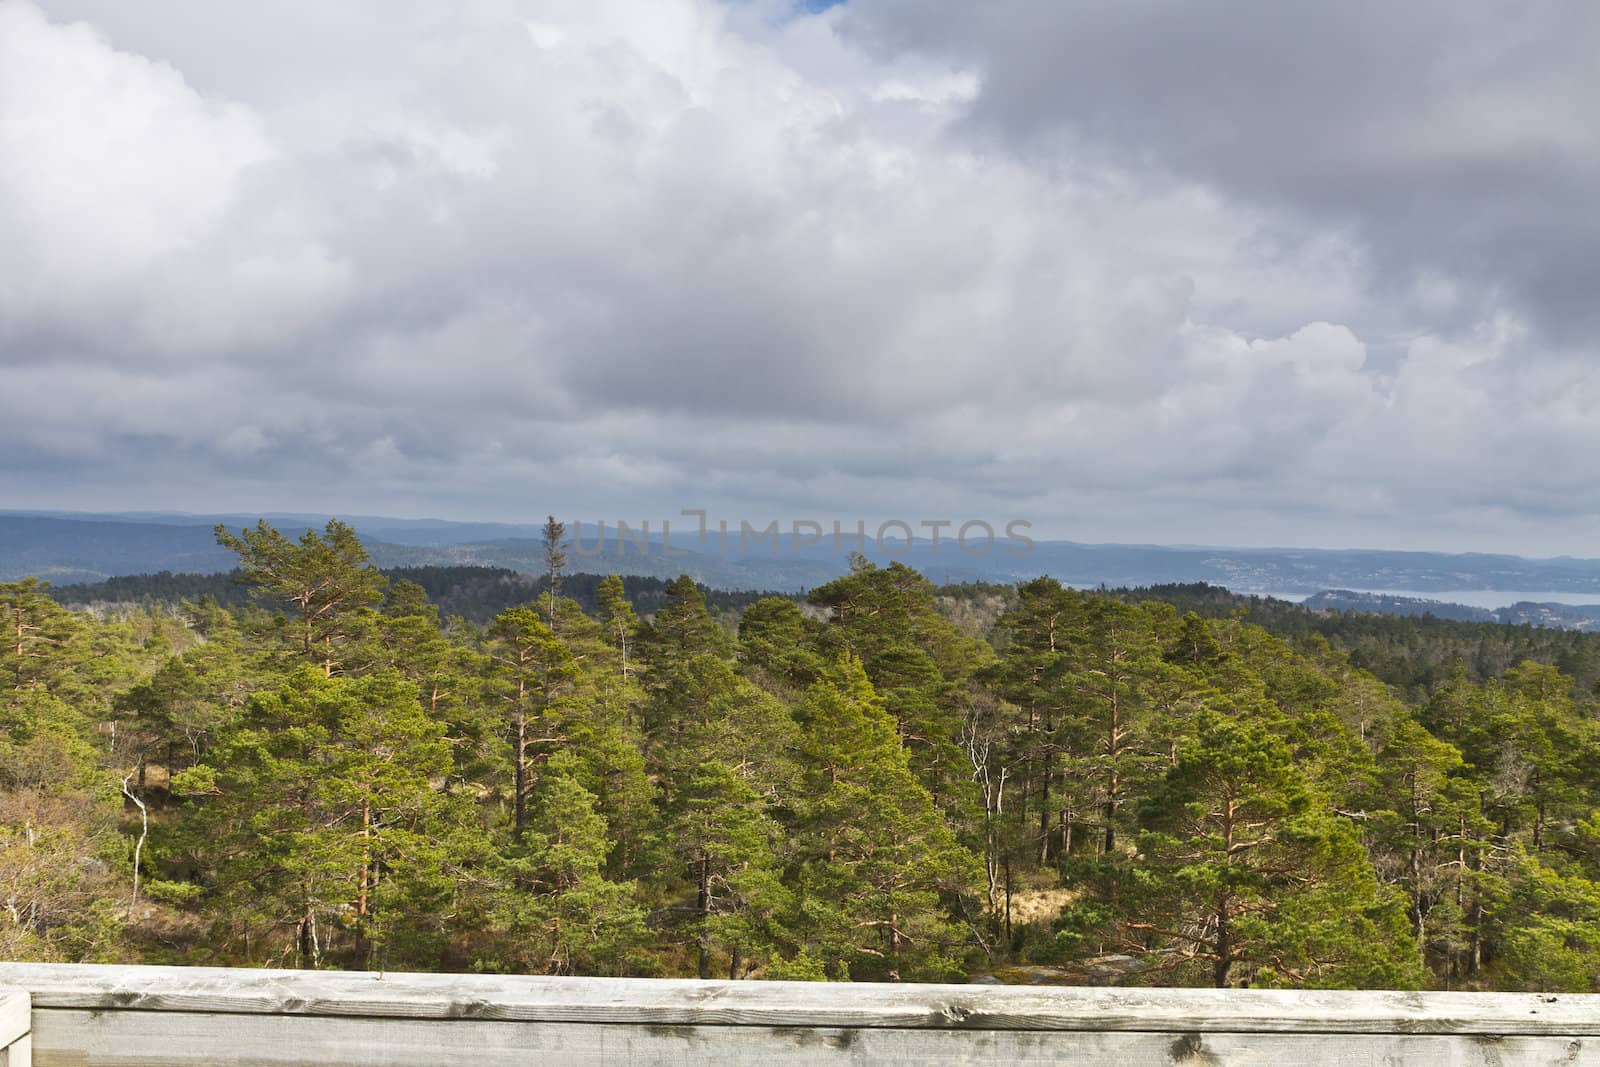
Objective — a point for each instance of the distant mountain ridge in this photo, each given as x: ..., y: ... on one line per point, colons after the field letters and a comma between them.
x: 1522, y: 613
x: 475, y: 593
x: 1390, y: 604
x: 66, y: 548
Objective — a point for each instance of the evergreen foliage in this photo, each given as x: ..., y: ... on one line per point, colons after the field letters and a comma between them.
x: 452, y: 768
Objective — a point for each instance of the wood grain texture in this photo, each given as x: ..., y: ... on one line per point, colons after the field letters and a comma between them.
x: 81, y: 1038
x: 15, y: 1024
x: 13, y: 1014
x: 19, y: 1053
x: 795, y: 1004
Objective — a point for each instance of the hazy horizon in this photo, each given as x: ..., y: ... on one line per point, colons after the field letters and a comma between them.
x: 681, y: 523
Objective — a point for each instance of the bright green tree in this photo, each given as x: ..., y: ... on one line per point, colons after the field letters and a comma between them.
x: 1435, y: 823
x: 35, y: 636
x: 320, y: 816
x: 554, y: 910
x: 1243, y: 876
x: 918, y: 662
x: 619, y: 620
x: 775, y: 639
x: 325, y: 578
x: 880, y: 871
x: 721, y: 828
x: 64, y: 882
x: 532, y: 672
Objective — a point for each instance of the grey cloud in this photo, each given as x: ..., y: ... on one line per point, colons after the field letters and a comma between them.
x: 1454, y: 137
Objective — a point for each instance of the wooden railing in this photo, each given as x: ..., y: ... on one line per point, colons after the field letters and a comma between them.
x: 15, y: 1026
x: 88, y: 1016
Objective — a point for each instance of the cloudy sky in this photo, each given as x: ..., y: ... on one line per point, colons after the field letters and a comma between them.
x: 1255, y: 272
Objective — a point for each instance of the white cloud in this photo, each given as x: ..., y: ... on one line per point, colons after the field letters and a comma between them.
x: 131, y: 206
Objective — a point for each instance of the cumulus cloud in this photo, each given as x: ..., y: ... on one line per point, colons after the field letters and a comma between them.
x: 1263, y: 276
x: 134, y: 209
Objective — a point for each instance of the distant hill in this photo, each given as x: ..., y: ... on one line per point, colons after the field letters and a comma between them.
x: 1560, y: 616
x: 474, y: 593
x: 72, y: 550
x: 1414, y: 653
x: 1522, y: 613
x: 1386, y: 604
x: 79, y: 549
x: 84, y: 548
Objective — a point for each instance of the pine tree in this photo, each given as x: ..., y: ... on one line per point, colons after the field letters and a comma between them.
x: 1549, y: 919
x: 554, y: 908
x: 775, y: 640
x: 35, y: 633
x: 917, y: 661
x: 326, y: 578
x: 319, y: 815
x: 621, y: 624
x: 720, y: 826
x: 683, y: 628
x: 600, y: 716
x: 1243, y: 873
x: 409, y: 638
x: 688, y: 664
x: 532, y: 671
x: 1114, y: 664
x: 879, y: 863
x: 162, y: 717
x: 1033, y: 675
x: 1435, y: 823
x: 555, y: 564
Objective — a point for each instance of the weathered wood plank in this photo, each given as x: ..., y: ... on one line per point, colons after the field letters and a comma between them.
x: 15, y: 1023
x: 82, y: 1038
x: 786, y: 1004
x: 13, y: 1014
x: 19, y: 1053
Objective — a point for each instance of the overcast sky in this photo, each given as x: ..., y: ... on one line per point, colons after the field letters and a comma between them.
x: 1254, y: 272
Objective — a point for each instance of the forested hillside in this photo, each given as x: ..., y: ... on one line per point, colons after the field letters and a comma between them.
x: 1416, y: 654
x: 477, y: 594
x: 893, y: 782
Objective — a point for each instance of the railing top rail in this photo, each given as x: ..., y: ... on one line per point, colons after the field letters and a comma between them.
x: 793, y: 1004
